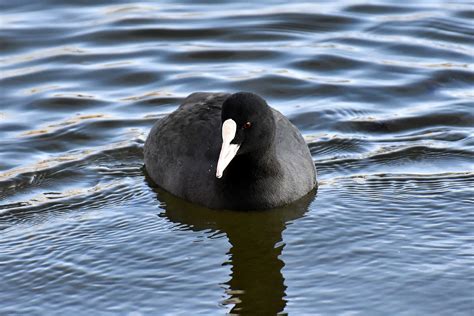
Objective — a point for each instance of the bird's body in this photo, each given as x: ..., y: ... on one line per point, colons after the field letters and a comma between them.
x: 182, y: 153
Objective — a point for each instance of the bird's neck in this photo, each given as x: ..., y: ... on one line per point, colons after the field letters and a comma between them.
x: 253, y: 166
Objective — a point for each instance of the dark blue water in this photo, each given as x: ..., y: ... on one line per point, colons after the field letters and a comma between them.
x: 382, y: 92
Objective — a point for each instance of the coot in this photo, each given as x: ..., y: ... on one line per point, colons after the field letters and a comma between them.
x: 229, y: 151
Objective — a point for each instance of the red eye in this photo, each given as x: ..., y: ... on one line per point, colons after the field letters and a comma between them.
x: 247, y: 125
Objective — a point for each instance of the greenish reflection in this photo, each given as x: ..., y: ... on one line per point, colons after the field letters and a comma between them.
x: 257, y: 285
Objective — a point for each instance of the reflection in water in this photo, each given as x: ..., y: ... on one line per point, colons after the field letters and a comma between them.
x: 256, y: 285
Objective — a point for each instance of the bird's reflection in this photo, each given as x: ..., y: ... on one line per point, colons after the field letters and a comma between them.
x: 257, y: 285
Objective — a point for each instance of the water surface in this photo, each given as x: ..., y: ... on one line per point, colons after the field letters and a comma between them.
x: 382, y: 92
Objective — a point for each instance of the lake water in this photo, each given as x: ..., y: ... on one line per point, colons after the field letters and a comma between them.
x: 382, y: 91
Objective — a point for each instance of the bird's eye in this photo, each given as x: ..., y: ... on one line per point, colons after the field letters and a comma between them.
x: 247, y: 125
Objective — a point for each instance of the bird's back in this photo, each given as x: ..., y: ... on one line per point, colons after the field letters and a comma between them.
x: 182, y: 149
x: 294, y: 156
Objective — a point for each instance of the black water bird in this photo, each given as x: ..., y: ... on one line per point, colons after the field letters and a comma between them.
x: 229, y: 151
